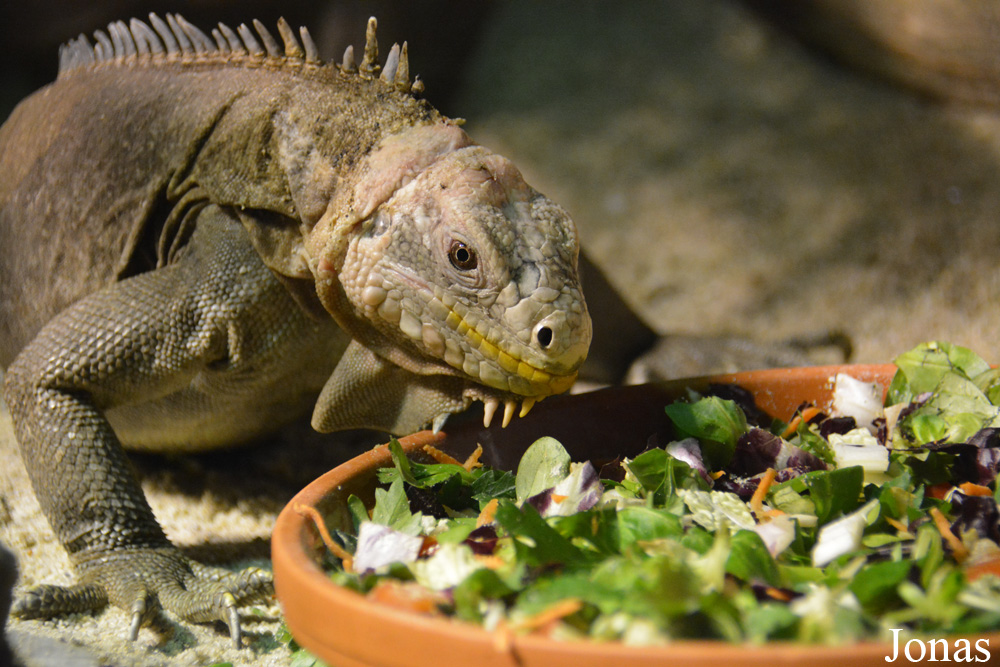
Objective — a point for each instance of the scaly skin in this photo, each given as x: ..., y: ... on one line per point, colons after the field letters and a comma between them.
x: 196, y: 241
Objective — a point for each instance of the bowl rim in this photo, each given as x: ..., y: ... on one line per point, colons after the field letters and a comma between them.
x: 296, y: 571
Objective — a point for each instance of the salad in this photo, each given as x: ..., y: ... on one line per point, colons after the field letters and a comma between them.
x: 876, y: 516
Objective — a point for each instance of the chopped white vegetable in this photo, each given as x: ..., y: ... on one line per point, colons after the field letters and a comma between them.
x: 712, y: 509
x: 854, y: 398
x: 446, y: 568
x: 842, y: 536
x: 859, y: 447
x: 579, y: 491
x: 777, y: 534
x: 380, y: 545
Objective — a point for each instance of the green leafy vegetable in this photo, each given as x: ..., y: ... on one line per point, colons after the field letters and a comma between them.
x: 717, y: 422
x: 542, y: 466
x: 697, y: 548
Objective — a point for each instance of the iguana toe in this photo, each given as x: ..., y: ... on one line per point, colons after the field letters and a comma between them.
x: 215, y: 594
x: 146, y: 581
x: 46, y: 601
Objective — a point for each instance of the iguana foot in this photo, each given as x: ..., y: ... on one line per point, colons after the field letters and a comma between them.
x: 144, y: 581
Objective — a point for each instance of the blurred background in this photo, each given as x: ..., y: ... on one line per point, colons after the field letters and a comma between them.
x: 768, y: 168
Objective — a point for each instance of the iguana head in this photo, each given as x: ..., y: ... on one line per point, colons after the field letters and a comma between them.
x: 443, y: 261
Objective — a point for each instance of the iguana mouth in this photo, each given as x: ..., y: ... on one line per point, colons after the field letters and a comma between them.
x: 491, y: 406
x: 498, y: 368
x: 538, y: 378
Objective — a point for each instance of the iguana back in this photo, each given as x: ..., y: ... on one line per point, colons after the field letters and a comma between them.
x: 103, y: 166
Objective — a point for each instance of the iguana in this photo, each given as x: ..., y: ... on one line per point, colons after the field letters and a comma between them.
x: 204, y: 237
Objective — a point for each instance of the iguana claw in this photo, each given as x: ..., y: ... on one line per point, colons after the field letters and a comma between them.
x: 137, y: 616
x: 233, y: 621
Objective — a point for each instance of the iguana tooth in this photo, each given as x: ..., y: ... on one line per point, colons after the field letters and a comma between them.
x: 490, y: 406
x: 369, y: 63
x: 270, y: 44
x: 249, y: 41
x: 163, y: 30
x: 347, y: 63
x: 439, y: 422
x: 526, y: 406
x: 292, y: 47
x: 312, y: 53
x: 391, y: 63
x: 508, y: 412
x: 402, y: 78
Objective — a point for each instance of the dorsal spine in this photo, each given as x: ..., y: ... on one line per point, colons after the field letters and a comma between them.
x: 177, y: 40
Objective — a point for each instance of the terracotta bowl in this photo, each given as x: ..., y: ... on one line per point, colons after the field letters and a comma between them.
x: 345, y: 629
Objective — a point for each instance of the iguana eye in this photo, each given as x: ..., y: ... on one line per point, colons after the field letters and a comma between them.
x: 462, y: 257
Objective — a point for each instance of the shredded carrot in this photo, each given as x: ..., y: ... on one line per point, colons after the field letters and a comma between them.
x: 778, y: 594
x: 489, y: 561
x: 406, y: 595
x: 939, y: 491
x: 804, y: 416
x: 898, y: 525
x: 757, y: 500
x: 553, y: 612
x: 957, y: 548
x: 717, y: 474
x: 558, y: 498
x: 488, y: 513
x: 991, y: 566
x: 337, y: 550
x: 970, y: 489
x: 473, y: 460
x: 441, y: 457
x: 428, y: 546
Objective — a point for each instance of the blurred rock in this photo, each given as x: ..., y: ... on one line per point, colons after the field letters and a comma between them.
x: 947, y: 49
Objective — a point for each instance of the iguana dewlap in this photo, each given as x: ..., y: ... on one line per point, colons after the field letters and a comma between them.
x: 199, y: 236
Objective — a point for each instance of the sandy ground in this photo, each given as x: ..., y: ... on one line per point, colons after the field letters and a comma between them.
x: 728, y: 181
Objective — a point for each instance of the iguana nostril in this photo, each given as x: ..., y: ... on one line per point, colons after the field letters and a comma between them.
x: 544, y: 337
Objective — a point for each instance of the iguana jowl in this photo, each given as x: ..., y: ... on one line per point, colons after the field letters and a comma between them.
x: 200, y: 235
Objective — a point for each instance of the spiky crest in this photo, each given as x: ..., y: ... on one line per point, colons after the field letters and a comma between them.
x: 177, y: 40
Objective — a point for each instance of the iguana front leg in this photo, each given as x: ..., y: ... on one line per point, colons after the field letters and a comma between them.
x: 204, y: 341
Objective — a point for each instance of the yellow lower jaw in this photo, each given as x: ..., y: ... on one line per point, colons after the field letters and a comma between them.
x: 557, y: 384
